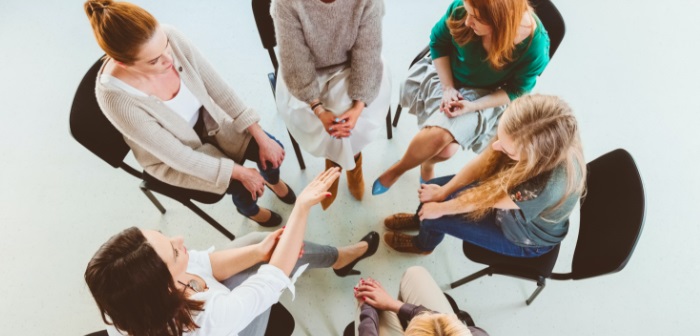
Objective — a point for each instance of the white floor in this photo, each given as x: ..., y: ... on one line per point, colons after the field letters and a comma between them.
x: 629, y: 68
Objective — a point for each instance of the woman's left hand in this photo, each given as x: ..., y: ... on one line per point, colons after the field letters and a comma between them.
x: 270, y: 152
x: 431, y: 210
x: 460, y: 107
x: 347, y: 121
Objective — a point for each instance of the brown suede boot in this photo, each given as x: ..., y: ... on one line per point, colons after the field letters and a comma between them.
x: 326, y: 202
x: 356, y: 182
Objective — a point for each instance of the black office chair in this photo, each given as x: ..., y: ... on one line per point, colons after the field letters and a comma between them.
x: 90, y: 128
x: 266, y: 29
x: 98, y: 333
x: 551, y: 19
x: 612, y: 218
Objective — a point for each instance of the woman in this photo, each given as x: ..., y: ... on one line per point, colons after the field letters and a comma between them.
x: 333, y: 90
x: 483, y: 55
x: 185, y: 125
x: 515, y: 198
x: 147, y: 284
x: 417, y: 291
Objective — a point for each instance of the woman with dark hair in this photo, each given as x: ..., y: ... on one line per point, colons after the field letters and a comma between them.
x: 145, y: 283
x: 183, y: 122
x: 483, y: 55
x: 515, y: 198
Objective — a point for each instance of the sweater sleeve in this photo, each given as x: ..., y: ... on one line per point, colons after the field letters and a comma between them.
x: 221, y: 93
x: 369, y: 321
x: 535, y: 60
x: 365, y: 62
x: 297, y: 62
x: 441, y: 41
x: 178, y: 160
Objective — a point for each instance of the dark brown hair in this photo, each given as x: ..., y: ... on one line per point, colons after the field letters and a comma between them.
x: 134, y: 289
x: 503, y: 16
x: 120, y: 28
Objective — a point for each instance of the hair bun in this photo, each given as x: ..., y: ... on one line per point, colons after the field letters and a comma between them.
x: 96, y: 6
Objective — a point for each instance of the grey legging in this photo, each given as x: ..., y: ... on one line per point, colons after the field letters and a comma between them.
x: 317, y: 256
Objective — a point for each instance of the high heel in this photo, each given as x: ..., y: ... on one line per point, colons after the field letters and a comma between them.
x: 289, y: 198
x: 274, y: 220
x: 378, y: 188
x: 372, y: 240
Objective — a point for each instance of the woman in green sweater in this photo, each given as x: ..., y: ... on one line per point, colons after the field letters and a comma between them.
x: 483, y: 55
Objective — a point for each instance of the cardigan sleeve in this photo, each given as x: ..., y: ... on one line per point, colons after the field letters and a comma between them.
x: 297, y: 61
x: 221, y: 93
x: 365, y: 61
x: 179, y: 162
x: 369, y: 321
x: 441, y: 41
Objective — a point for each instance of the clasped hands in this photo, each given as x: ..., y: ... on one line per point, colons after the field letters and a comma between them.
x: 453, y: 103
x: 371, y: 292
x: 340, y: 126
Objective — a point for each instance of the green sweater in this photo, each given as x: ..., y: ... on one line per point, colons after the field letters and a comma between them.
x: 471, y: 69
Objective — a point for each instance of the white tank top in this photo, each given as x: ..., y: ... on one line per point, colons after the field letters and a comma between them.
x: 184, y: 104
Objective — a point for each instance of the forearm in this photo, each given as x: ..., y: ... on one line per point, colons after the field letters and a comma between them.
x: 227, y: 263
x: 468, y: 174
x: 493, y: 99
x: 257, y: 132
x: 444, y: 71
x: 455, y: 206
x: 286, y: 253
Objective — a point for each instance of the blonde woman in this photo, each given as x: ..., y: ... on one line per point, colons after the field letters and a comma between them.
x: 515, y: 198
x: 483, y: 55
x: 420, y: 305
x: 333, y: 90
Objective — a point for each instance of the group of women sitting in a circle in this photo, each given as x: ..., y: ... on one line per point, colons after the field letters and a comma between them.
x: 187, y: 127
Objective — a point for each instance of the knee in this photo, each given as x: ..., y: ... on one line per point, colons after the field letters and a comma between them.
x: 448, y: 151
x: 415, y: 272
x: 436, y: 137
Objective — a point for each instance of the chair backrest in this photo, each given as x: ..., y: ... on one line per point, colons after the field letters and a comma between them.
x: 90, y: 127
x: 552, y: 21
x: 612, y: 216
x: 266, y: 28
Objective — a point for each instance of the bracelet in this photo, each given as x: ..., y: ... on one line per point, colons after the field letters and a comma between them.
x: 314, y: 109
x: 315, y: 105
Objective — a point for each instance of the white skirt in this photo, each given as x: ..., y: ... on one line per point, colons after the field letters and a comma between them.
x: 308, y: 130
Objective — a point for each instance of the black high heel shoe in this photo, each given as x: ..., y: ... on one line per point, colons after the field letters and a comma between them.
x: 372, y: 240
x: 289, y: 198
x: 274, y: 220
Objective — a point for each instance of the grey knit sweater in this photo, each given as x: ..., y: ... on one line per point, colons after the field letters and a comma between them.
x: 164, y: 144
x: 317, y: 38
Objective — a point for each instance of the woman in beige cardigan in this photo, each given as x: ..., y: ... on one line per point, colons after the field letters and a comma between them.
x: 185, y: 125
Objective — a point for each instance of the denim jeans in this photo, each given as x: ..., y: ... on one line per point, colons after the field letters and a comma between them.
x: 484, y: 232
x: 241, y: 196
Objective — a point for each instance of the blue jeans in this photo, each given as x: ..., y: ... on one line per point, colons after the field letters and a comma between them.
x: 484, y: 232
x: 241, y: 196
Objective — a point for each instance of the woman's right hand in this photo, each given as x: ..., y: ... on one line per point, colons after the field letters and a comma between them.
x: 449, y: 95
x: 431, y: 193
x: 251, y: 179
x: 328, y: 120
x: 318, y: 188
x: 371, y: 292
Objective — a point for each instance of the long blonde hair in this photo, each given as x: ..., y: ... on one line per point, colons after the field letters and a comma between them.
x: 503, y: 16
x: 428, y: 324
x: 545, y: 131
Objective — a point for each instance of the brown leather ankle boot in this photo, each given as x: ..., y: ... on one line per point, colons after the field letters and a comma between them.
x: 356, y: 182
x: 326, y: 202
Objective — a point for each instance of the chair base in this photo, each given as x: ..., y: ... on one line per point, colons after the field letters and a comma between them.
x: 541, y: 281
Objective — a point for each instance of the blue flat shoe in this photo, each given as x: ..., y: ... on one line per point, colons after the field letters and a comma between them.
x: 378, y: 188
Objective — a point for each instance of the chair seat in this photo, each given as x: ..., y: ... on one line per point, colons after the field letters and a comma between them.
x: 180, y: 194
x: 530, y: 268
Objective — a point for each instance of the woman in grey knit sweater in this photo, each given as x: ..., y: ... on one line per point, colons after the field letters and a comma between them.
x: 333, y: 89
x: 184, y: 123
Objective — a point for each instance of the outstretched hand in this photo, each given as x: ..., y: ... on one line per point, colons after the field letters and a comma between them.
x: 318, y: 188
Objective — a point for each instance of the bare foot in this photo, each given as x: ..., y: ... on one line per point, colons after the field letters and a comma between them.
x: 262, y: 216
x: 280, y: 189
x: 348, y: 254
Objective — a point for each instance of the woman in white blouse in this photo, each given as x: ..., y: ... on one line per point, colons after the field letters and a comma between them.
x: 145, y: 283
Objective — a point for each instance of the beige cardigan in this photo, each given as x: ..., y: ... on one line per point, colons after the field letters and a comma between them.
x: 164, y: 144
